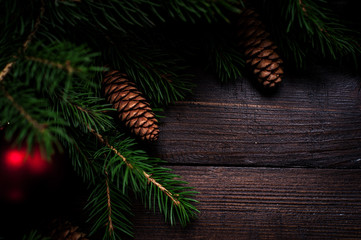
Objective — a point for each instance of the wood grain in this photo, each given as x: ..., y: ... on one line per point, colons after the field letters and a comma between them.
x: 311, y: 121
x: 265, y: 203
x: 280, y: 165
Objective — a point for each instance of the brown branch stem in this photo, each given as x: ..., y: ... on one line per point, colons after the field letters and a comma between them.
x: 67, y: 66
x: 6, y: 70
x: 163, y: 189
x: 110, y: 222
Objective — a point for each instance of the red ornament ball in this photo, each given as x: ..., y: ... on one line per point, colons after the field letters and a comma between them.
x: 14, y: 158
x: 19, y: 159
x: 22, y: 173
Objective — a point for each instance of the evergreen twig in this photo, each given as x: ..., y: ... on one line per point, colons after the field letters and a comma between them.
x: 323, y: 30
x: 146, y: 175
x: 7, y: 69
x: 39, y: 126
x: 8, y: 66
x: 67, y: 66
x: 109, y: 209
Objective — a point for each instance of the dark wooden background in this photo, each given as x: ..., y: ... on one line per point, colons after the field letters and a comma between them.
x: 281, y: 165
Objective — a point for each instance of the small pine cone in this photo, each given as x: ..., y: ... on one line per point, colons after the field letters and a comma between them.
x: 259, y: 50
x: 66, y: 231
x: 133, y: 109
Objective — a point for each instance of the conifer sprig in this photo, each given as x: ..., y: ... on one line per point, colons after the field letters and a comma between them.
x: 161, y: 76
x: 31, y: 125
x: 307, y: 28
x: 25, y: 45
x: 56, y: 65
x: 129, y: 165
x: 323, y: 30
x: 109, y: 210
x: 85, y: 110
x: 81, y: 152
x: 192, y: 10
x: 133, y: 170
x: 122, y: 16
x: 228, y: 62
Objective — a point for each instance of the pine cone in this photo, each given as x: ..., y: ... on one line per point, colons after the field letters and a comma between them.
x: 133, y: 109
x: 66, y: 231
x: 259, y: 50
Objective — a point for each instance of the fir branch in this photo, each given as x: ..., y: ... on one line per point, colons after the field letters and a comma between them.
x: 29, y: 123
x: 152, y: 196
x: 307, y: 29
x: 85, y: 111
x: 154, y: 184
x: 109, y: 208
x: 158, y: 74
x: 124, y: 16
x: 163, y: 189
x: 323, y: 30
x: 25, y: 45
x: 102, y: 140
x: 39, y: 126
x: 227, y: 61
x: 64, y: 55
x: 67, y: 66
x: 192, y: 10
x: 56, y: 65
x: 80, y: 153
x: 146, y: 175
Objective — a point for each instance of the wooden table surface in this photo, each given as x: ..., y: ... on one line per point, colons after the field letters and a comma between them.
x: 281, y: 165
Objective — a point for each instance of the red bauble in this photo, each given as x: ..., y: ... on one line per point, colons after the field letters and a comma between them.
x: 18, y: 159
x: 21, y: 172
x: 32, y: 188
x: 14, y: 159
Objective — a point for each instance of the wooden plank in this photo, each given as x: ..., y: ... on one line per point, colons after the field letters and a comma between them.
x: 265, y: 203
x: 311, y: 121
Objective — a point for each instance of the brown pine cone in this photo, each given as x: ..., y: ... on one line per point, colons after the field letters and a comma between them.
x: 259, y: 50
x: 133, y: 109
x: 66, y: 231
